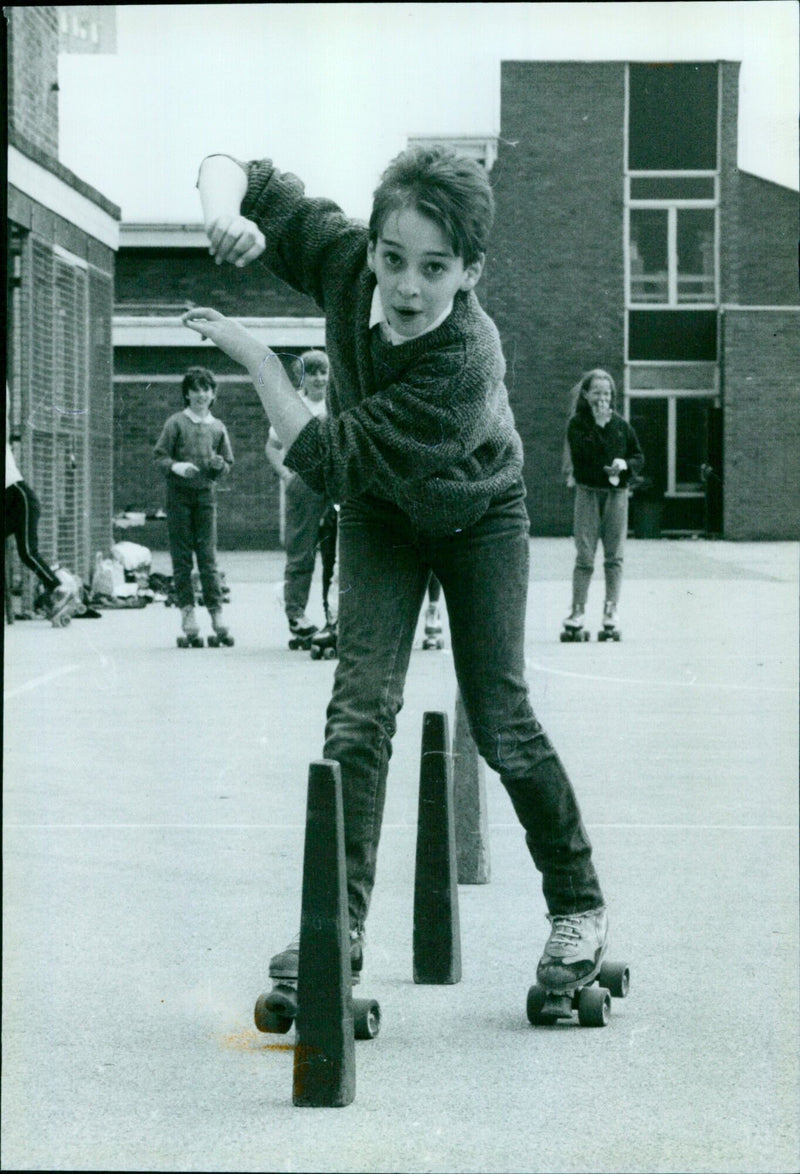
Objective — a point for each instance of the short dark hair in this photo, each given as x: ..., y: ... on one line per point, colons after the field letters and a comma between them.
x: 198, y: 379
x: 450, y: 189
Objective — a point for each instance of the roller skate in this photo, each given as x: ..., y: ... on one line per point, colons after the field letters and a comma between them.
x: 276, y: 1010
x: 323, y: 643
x: 221, y: 633
x: 301, y: 630
x: 609, y: 630
x: 433, y: 628
x: 66, y: 600
x: 574, y: 631
x: 571, y: 965
x: 191, y: 637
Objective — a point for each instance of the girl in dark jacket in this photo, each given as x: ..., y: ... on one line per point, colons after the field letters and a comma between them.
x: 605, y: 456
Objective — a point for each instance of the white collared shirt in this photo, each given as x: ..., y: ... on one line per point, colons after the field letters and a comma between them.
x: 209, y: 419
x: 377, y: 317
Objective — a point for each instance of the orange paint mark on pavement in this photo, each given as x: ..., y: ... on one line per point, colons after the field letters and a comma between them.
x: 250, y: 1041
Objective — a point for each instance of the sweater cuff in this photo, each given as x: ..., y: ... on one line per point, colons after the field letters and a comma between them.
x: 306, y: 455
x: 269, y: 192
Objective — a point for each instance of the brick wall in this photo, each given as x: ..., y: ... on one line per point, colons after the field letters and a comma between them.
x: 190, y: 275
x: 33, y: 74
x: 761, y: 397
x: 146, y: 392
x: 554, y: 278
x: 766, y: 253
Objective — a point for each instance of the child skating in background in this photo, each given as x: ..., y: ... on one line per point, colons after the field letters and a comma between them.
x: 307, y: 512
x: 194, y: 451
x: 421, y: 451
x: 604, y: 458
x: 63, y: 596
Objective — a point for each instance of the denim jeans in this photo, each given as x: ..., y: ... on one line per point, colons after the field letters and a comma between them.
x: 304, y: 511
x: 599, y: 514
x: 384, y: 564
x: 192, y: 529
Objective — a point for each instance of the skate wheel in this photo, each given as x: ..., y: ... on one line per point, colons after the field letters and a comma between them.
x: 315, y: 653
x: 182, y: 642
x: 616, y: 978
x: 536, y: 1000
x: 594, y: 1006
x: 269, y: 1020
x: 213, y: 642
x: 329, y: 654
x: 366, y: 1018
x: 564, y: 638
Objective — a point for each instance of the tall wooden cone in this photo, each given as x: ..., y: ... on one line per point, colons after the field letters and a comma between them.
x: 437, y: 937
x: 324, y: 1057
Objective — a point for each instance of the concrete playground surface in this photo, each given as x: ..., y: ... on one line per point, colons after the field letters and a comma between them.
x: 153, y: 834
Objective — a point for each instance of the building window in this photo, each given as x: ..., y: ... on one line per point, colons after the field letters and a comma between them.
x: 672, y: 117
x: 672, y: 335
x: 674, y: 432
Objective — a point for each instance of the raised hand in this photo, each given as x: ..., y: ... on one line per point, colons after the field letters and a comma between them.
x: 232, y: 338
x: 234, y: 239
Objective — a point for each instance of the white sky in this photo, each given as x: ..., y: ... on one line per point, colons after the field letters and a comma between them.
x: 331, y: 91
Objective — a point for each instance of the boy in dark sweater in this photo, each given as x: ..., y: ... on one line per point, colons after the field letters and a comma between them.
x: 193, y: 452
x: 420, y: 449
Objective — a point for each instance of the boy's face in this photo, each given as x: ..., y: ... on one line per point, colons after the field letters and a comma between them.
x: 315, y: 384
x: 200, y: 399
x: 417, y: 271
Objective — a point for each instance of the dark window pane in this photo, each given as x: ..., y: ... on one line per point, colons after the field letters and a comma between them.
x: 672, y: 335
x: 673, y: 187
x: 691, y: 442
x: 649, y: 420
x: 672, y: 122
x: 696, y: 255
x: 648, y: 255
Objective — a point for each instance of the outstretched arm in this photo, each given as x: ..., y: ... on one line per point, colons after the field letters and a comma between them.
x: 287, y: 412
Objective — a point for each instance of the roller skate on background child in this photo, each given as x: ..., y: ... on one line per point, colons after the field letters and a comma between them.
x: 65, y: 601
x: 609, y: 630
x: 323, y: 642
x: 433, y: 620
x: 222, y: 635
x: 574, y: 630
x: 191, y: 637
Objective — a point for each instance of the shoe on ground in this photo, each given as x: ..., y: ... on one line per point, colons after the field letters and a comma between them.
x: 285, y: 965
x: 574, y: 950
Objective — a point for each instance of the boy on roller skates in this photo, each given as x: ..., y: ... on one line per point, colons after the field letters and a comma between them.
x: 193, y: 452
x: 421, y: 452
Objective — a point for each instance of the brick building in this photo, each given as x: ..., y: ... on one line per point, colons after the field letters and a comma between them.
x: 627, y: 238
x: 61, y: 240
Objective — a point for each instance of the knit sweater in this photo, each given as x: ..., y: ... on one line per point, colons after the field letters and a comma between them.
x: 427, y: 424
x: 185, y: 439
x: 592, y: 448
